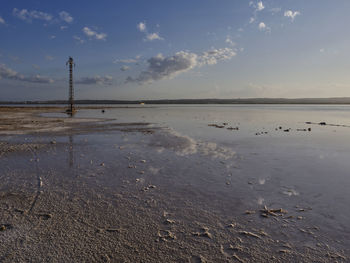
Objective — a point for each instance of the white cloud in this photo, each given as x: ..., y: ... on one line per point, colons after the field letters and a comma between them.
x: 52, y: 37
x: 65, y: 16
x: 149, y: 36
x: 99, y: 80
x: 79, y: 39
x: 263, y: 27
x: 251, y: 20
x: 260, y: 6
x: 28, y: 16
x: 2, y: 21
x: 153, y: 36
x: 93, y: 34
x: 291, y: 14
x: 63, y: 27
x: 8, y: 73
x: 124, y: 68
x: 142, y: 27
x: 160, y: 67
x: 322, y: 50
x: 212, y: 57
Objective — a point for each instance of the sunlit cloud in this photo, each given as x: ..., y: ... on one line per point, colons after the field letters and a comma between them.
x: 153, y: 36
x: 2, y: 21
x: 148, y: 36
x: 141, y: 26
x: 65, y: 16
x: 28, y: 16
x: 291, y: 14
x: 263, y: 27
x: 260, y: 6
x: 93, y: 34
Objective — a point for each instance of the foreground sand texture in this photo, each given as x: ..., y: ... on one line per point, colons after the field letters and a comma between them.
x: 94, y: 190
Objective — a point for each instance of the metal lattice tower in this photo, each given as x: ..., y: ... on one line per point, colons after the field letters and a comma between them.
x: 71, y: 63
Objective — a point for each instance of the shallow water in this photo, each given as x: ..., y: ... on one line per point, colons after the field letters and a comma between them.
x: 226, y: 172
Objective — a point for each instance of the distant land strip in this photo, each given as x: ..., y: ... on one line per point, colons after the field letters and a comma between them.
x: 343, y: 100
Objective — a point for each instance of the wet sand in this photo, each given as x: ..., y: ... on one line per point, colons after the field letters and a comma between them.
x: 92, y: 190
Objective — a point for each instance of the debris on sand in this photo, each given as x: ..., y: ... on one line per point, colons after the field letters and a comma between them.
x: 146, y: 188
x: 232, y: 225
x: 169, y: 221
x: 4, y: 227
x: 249, y: 234
x: 249, y: 212
x: 322, y: 123
x: 232, y: 128
x: 237, y: 258
x: 272, y: 212
x: 45, y: 216
x: 204, y: 232
x: 166, y: 235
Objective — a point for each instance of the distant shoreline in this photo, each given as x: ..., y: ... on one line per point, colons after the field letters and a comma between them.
x: 343, y: 100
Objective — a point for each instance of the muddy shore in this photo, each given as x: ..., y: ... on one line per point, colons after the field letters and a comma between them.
x: 63, y: 198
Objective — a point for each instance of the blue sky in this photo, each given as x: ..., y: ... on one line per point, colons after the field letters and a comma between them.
x: 174, y: 49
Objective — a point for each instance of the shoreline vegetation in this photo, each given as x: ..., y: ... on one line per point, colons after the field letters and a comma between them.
x: 338, y: 100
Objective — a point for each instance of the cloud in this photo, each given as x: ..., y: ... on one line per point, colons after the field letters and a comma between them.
x: 260, y: 6
x: 322, y: 50
x: 63, y: 27
x: 149, y: 36
x: 2, y: 21
x: 93, y: 34
x: 79, y: 39
x: 8, y: 73
x: 291, y: 14
x: 28, y: 16
x: 251, y: 20
x: 124, y: 68
x: 65, y: 16
x: 263, y: 27
x: 52, y: 37
x: 212, y: 57
x: 99, y: 80
x: 141, y: 27
x: 160, y: 67
x: 153, y: 36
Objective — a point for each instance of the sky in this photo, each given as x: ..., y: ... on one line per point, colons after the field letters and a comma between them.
x: 159, y: 49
